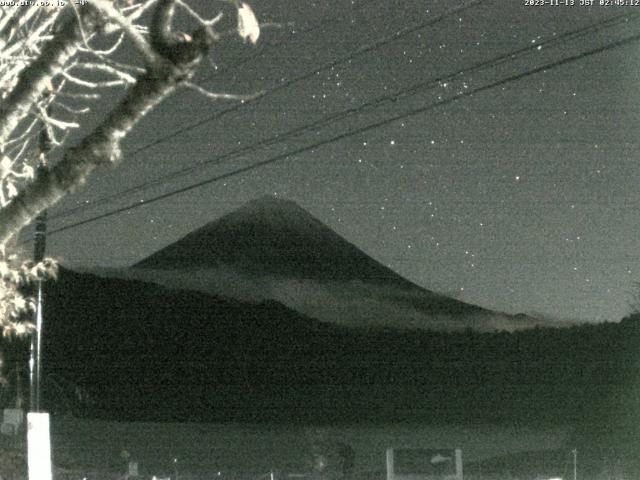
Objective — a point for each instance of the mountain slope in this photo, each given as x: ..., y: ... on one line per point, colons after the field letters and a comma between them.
x: 146, y: 352
x: 272, y: 249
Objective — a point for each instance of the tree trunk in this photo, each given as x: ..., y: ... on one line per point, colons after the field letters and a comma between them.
x: 176, y: 64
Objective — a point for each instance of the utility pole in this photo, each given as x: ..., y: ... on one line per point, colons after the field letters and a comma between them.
x: 35, y: 362
x: 38, y: 429
x: 575, y: 463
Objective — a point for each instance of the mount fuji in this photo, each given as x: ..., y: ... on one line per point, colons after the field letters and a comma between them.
x: 273, y: 249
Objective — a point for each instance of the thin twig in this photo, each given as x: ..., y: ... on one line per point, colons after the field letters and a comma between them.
x: 75, y: 111
x: 106, y: 52
x: 61, y: 124
x: 207, y: 23
x: 101, y: 67
x: 92, y: 85
x: 23, y: 134
x: 221, y: 96
x: 136, y: 38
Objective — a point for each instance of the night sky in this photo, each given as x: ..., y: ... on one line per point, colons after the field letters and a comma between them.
x: 521, y: 197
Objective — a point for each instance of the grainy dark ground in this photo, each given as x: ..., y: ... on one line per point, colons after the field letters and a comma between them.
x: 97, y: 450
x: 13, y: 460
x: 248, y: 451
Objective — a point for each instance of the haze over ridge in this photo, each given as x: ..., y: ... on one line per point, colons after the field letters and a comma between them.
x: 273, y: 249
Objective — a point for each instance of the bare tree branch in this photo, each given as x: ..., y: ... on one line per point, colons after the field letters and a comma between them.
x: 102, y: 146
x: 203, y: 21
x: 45, y: 58
x: 35, y: 79
x: 221, y: 96
x: 141, y: 44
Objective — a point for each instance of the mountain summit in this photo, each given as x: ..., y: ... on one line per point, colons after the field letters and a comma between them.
x: 273, y: 249
x: 275, y: 237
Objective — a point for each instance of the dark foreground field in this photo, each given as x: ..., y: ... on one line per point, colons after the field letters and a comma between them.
x: 248, y: 451
x: 101, y: 450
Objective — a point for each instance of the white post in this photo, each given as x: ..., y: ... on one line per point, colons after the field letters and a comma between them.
x: 38, y: 446
x: 132, y: 470
x: 459, y: 464
x: 390, y: 464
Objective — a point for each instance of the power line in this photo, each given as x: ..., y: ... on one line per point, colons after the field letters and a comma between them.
x: 328, y: 120
x: 361, y: 130
x: 334, y: 63
x: 365, y: 49
x: 357, y: 131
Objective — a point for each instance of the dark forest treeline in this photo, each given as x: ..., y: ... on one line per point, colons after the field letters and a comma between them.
x: 145, y: 352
